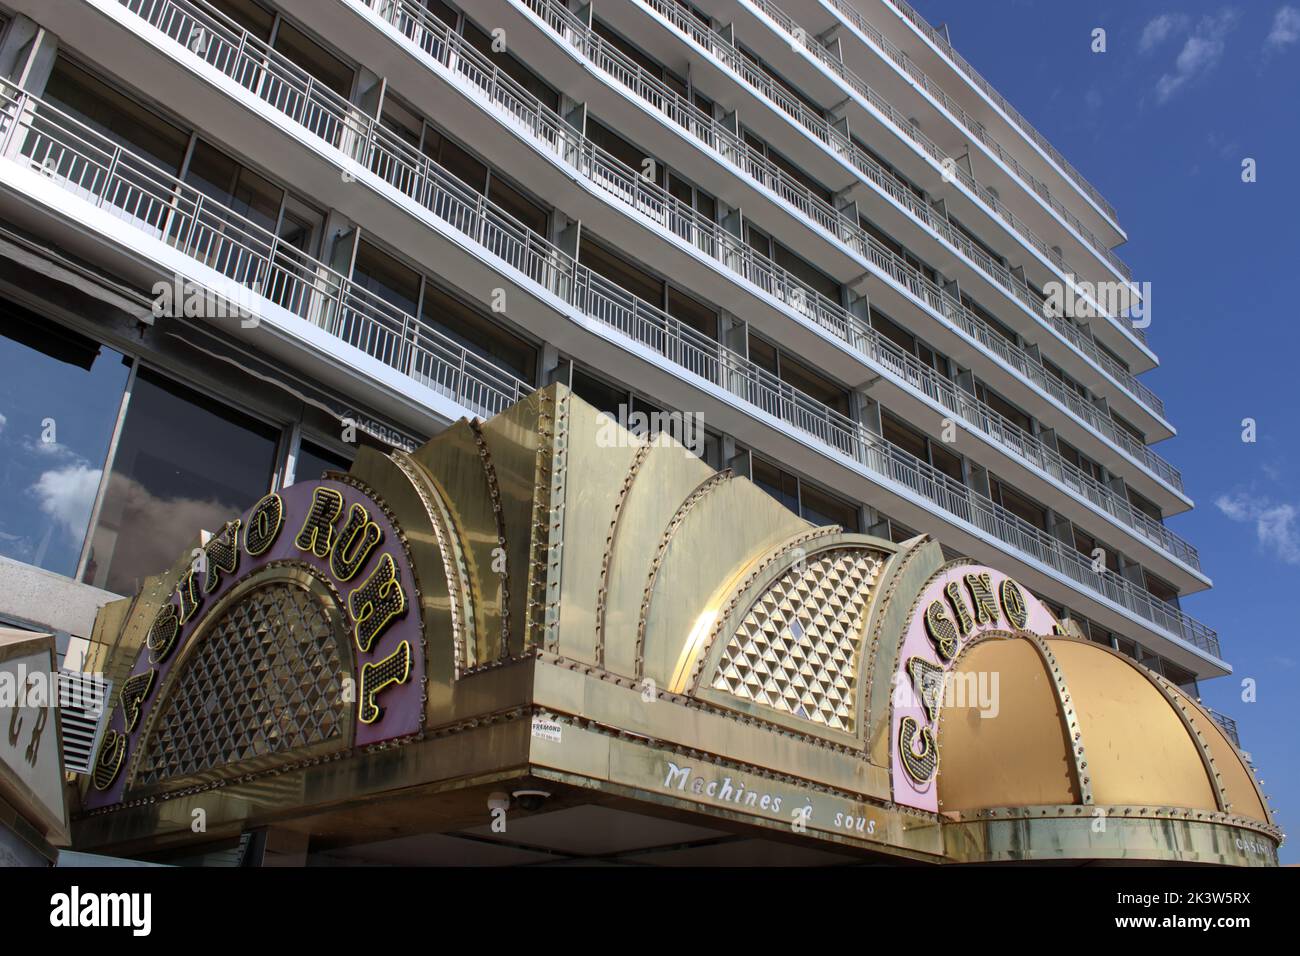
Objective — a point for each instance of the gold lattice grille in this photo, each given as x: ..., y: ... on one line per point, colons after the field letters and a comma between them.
x: 797, y: 649
x: 266, y: 680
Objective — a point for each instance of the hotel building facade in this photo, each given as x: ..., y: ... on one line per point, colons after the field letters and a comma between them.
x: 247, y: 243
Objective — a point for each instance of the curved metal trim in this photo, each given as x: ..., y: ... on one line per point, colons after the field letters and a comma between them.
x: 606, y: 561
x: 691, y: 500
x: 1069, y: 717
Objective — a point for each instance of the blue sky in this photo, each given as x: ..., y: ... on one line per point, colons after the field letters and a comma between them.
x: 1160, y: 123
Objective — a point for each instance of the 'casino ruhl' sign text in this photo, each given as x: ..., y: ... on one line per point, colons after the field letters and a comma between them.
x: 344, y: 536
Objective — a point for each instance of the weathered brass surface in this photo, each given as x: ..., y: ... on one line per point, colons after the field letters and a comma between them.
x: 607, y: 617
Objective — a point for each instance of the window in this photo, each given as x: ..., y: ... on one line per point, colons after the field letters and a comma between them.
x: 599, y: 394
x: 649, y: 288
x: 1086, y: 545
x: 387, y: 278
x: 184, y: 462
x: 219, y: 177
x: 1004, y: 408
x: 59, y: 400
x: 324, y: 66
x: 478, y: 334
x: 1079, y: 460
x: 622, y: 273
x: 1018, y: 504
x: 253, y: 17
x: 455, y: 159
x: 1145, y: 505
x: 315, y: 459
x: 796, y: 374
x: 781, y: 485
x: 513, y: 68
x: 909, y: 343
x: 804, y: 499
x: 921, y: 446
x: 118, y: 117
x: 1129, y: 427
x: 1161, y: 589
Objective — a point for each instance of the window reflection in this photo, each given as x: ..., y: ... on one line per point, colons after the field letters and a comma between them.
x: 184, y: 463
x: 59, y: 398
x: 314, y: 460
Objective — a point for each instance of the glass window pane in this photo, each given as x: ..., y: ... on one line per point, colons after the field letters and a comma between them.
x: 314, y: 460
x: 118, y: 117
x: 480, y: 335
x: 218, y: 176
x: 55, y: 385
x: 314, y: 58
x: 252, y: 16
x: 184, y: 463
x: 822, y: 509
x: 387, y: 278
x: 781, y: 486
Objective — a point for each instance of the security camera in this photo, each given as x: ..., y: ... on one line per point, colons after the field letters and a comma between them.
x: 531, y: 800
x: 498, y: 801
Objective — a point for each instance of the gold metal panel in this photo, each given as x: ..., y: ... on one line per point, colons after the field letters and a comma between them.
x: 1138, y: 750
x: 723, y: 531
x: 666, y: 477
x: 1240, y: 788
x: 515, y: 438
x: 1018, y: 757
x: 1054, y: 838
x: 589, y: 507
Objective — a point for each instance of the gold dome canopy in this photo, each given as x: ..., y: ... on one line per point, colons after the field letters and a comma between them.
x: 1079, y: 732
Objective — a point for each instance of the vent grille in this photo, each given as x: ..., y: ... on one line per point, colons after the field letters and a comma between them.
x: 83, y: 706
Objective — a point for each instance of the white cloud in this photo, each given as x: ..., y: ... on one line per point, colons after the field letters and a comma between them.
x: 1286, y: 28
x: 1160, y: 29
x: 1275, y: 523
x: 67, y: 495
x: 3, y: 421
x: 1199, y: 55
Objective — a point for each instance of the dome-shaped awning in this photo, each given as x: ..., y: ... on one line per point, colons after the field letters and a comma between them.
x: 1057, y: 747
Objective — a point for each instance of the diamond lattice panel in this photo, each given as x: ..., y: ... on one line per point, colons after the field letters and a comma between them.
x: 797, y: 648
x: 267, y: 680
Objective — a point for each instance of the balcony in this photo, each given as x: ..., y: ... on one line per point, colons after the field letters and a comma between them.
x: 831, y: 222
x: 843, y: 147
x: 1228, y: 724
x: 649, y: 201
x: 956, y: 59
x: 161, y: 208
x: 157, y: 205
x: 974, y: 127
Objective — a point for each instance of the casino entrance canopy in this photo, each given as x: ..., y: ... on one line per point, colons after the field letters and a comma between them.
x: 543, y: 638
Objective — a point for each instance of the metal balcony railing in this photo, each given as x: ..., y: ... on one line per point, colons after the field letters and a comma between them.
x: 98, y: 170
x: 842, y: 228
x: 974, y: 127
x: 390, y: 160
x: 664, y: 210
x: 885, y: 181
x: 1228, y: 724
x: 939, y: 40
